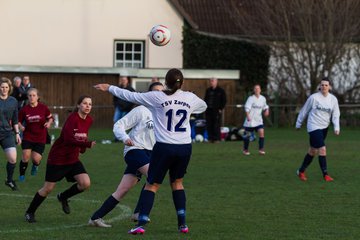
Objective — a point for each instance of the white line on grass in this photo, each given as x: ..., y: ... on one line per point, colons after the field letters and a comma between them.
x: 126, y: 212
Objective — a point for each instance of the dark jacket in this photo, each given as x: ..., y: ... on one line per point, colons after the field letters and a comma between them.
x: 215, y: 98
x: 124, y: 106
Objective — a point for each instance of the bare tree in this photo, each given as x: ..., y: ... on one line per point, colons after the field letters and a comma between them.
x: 308, y: 38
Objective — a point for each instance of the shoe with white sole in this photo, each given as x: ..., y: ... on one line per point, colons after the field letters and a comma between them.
x: 98, y: 223
x: 137, y: 230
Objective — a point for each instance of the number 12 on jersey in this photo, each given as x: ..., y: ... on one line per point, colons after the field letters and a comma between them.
x: 181, y: 114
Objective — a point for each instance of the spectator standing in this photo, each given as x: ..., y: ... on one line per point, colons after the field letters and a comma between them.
x: 215, y: 98
x: 122, y: 107
x: 24, y: 87
x: 16, y: 90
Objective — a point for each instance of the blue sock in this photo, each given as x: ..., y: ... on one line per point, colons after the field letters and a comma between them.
x: 10, y: 171
x: 261, y: 143
x: 137, y: 208
x: 179, y: 199
x: 107, y: 206
x: 307, y: 160
x: 146, y: 203
x: 323, y: 165
x: 246, y: 143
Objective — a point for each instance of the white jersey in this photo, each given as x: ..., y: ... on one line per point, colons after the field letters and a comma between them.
x: 321, y: 110
x: 140, y: 121
x: 171, y: 113
x: 255, y: 106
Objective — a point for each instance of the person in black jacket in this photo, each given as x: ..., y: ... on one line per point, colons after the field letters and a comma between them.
x: 215, y: 98
x: 122, y: 107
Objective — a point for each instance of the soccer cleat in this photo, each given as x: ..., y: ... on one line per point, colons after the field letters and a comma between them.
x: 34, y: 170
x: 261, y: 152
x: 183, y: 229
x: 11, y: 184
x: 327, y: 178
x: 30, y: 217
x: 301, y: 175
x: 246, y: 152
x: 135, y: 217
x: 137, y: 230
x: 64, y: 204
x: 98, y: 223
x: 21, y: 178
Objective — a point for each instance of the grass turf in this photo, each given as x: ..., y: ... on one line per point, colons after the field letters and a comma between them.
x: 229, y: 195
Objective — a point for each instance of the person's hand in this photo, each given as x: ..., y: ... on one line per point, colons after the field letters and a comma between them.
x: 18, y: 139
x: 92, y: 144
x: 337, y: 132
x: 129, y: 142
x: 248, y: 119
x: 47, y: 125
x: 102, y: 87
x: 266, y: 112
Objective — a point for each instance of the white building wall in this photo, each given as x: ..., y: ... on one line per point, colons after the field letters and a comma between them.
x: 82, y: 32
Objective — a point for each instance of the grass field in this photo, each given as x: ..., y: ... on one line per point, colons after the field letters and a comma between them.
x: 229, y: 196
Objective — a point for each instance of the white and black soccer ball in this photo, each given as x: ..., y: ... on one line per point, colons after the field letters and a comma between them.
x: 160, y: 35
x: 199, y: 138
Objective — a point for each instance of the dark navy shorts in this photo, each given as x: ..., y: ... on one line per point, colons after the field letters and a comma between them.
x: 36, y: 147
x: 317, y: 138
x: 136, y: 159
x: 168, y: 157
x: 55, y: 173
x: 251, y: 129
x: 8, y: 141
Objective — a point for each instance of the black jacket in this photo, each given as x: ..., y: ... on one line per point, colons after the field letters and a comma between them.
x: 215, y: 98
x: 124, y: 106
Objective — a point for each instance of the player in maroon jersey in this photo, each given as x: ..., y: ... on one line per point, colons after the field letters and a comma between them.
x: 63, y: 160
x: 37, y: 119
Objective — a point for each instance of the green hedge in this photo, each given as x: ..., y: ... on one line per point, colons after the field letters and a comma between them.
x: 204, y: 52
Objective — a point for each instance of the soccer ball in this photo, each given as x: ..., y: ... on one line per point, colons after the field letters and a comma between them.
x: 199, y: 138
x: 160, y: 35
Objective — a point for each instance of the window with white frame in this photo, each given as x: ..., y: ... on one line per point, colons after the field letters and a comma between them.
x: 129, y: 54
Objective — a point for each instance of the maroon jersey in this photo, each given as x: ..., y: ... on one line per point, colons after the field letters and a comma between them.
x: 35, y: 118
x: 73, y: 140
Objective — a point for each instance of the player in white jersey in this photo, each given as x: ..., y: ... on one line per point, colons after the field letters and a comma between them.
x: 254, y: 107
x: 137, y: 151
x: 320, y: 108
x: 171, y: 111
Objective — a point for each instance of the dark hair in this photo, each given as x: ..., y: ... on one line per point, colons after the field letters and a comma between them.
x: 154, y: 84
x: 81, y: 98
x: 326, y: 79
x: 173, y: 80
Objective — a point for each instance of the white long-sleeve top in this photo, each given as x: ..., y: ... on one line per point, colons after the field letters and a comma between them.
x: 171, y: 113
x: 140, y: 121
x: 254, y: 106
x: 320, y: 110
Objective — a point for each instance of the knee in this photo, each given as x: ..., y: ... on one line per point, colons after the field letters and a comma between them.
x: 84, y: 185
x: 322, y: 151
x: 312, y: 151
x: 177, y: 185
x: 45, y: 191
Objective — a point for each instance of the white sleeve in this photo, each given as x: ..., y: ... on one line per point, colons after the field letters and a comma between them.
x: 248, y: 104
x: 336, y: 116
x: 304, y: 111
x: 200, y: 106
x: 145, y: 99
x: 126, y: 123
x: 265, y: 105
